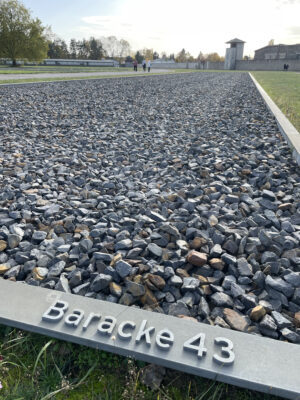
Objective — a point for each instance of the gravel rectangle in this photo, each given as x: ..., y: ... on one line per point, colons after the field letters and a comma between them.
x: 173, y: 177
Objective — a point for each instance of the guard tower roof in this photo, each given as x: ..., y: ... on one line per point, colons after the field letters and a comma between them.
x: 235, y: 41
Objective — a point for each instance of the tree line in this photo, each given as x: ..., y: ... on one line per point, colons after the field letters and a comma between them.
x: 23, y: 37
x: 111, y: 47
x: 88, y: 49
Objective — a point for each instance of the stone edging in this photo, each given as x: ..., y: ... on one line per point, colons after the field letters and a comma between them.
x: 224, y: 355
x: 287, y: 129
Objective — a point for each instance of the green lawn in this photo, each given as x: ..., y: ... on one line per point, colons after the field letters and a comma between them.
x: 35, y: 367
x: 284, y: 89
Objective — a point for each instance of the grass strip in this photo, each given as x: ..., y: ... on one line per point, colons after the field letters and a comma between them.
x: 284, y: 89
x: 40, y: 368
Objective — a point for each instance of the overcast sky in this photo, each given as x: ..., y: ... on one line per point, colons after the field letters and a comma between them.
x: 170, y: 25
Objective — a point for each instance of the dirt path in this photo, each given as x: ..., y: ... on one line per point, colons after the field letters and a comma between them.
x: 74, y: 74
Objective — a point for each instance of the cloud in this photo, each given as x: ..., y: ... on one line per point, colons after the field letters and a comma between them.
x: 118, y: 25
x: 167, y: 25
x: 294, y: 30
x: 100, y: 20
x: 284, y: 2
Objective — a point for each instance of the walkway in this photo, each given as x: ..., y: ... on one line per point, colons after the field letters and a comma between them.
x: 9, y: 77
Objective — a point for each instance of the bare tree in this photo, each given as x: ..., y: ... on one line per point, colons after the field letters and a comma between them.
x: 182, y: 56
x: 111, y: 45
x: 147, y: 53
x: 124, y: 48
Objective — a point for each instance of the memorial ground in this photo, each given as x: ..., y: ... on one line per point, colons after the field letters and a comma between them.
x: 184, y: 177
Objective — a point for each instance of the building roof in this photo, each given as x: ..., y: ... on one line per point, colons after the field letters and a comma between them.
x: 278, y: 45
x: 235, y: 41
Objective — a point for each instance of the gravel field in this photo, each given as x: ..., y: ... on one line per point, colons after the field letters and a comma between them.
x: 173, y: 193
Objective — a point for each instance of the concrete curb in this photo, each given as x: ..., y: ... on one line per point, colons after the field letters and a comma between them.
x: 249, y: 361
x: 286, y: 128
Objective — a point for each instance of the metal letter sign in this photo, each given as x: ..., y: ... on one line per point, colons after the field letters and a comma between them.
x: 225, y: 355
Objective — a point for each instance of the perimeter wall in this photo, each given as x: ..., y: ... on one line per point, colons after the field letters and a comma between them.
x: 267, y: 65
x: 175, y: 65
x: 241, y: 65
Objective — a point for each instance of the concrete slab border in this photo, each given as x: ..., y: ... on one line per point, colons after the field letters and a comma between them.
x: 287, y: 129
x: 225, y: 355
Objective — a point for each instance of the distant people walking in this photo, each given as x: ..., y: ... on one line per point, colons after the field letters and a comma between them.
x: 149, y: 65
x: 286, y: 67
x: 144, y: 65
x: 135, y: 64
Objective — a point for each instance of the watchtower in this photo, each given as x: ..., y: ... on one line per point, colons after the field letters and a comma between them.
x: 233, y: 53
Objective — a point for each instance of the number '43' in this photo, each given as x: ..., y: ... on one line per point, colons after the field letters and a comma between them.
x: 197, y: 344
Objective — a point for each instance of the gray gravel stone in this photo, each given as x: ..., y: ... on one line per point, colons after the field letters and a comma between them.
x: 227, y: 282
x: 259, y: 279
x: 127, y: 185
x: 216, y: 251
x: 172, y: 230
x: 178, y: 308
x: 190, y: 284
x: 135, y: 289
x: 13, y: 240
x: 53, y: 209
x: 293, y: 278
x: 81, y: 289
x: 236, y: 290
x: 103, y: 257
x: 123, y: 268
x: 231, y: 246
x: 280, y: 320
x: 56, y: 269
x: 154, y: 249
x: 203, y: 308
x: 222, y: 300
x: 63, y: 284
x: 157, y: 217
x: 101, y: 282
x: 244, y: 268
x: 175, y: 281
x: 124, y: 244
x: 291, y: 336
x: 268, y: 323
x: 296, y: 297
x: 280, y: 285
x: 268, y: 256
x: 39, y: 236
x: 13, y: 272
